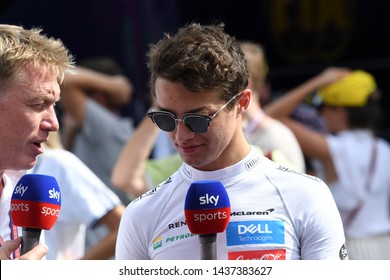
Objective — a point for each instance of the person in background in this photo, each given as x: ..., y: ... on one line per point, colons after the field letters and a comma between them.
x: 354, y: 161
x: 200, y: 82
x: 32, y: 67
x: 134, y: 172
x: 308, y: 115
x: 85, y: 202
x: 261, y: 129
x: 93, y: 128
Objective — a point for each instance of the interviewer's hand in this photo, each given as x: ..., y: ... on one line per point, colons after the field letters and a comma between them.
x: 37, y: 253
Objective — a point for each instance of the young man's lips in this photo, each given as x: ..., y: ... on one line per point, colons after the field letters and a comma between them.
x: 189, y: 149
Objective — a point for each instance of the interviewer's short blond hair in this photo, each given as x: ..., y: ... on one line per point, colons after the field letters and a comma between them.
x: 20, y: 47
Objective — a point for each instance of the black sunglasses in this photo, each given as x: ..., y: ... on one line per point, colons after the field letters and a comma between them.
x: 167, y: 121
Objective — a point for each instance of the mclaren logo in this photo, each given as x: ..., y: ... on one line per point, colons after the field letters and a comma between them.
x: 252, y: 213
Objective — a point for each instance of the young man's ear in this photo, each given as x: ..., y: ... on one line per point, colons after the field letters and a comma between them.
x: 244, y: 100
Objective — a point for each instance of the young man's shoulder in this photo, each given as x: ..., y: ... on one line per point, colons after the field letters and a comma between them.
x: 286, y: 176
x: 162, y: 192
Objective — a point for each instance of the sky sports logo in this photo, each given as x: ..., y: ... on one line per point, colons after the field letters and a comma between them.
x: 21, y: 190
x: 209, y: 199
x: 255, y: 232
x: 54, y: 194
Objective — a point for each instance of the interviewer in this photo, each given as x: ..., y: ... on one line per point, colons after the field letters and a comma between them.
x: 32, y: 67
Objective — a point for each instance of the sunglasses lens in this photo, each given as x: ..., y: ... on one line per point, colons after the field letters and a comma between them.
x: 164, y: 121
x: 167, y: 122
x: 197, y: 124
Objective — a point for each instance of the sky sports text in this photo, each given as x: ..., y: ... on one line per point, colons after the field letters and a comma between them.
x: 21, y: 190
x: 25, y: 207
x: 209, y: 199
x: 201, y: 217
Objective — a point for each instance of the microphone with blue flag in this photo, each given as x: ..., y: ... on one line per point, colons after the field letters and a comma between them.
x: 207, y: 212
x: 35, y: 205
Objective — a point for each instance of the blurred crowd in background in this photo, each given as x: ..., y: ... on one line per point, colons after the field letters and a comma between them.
x: 300, y: 38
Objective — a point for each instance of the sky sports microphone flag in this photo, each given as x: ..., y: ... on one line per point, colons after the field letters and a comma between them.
x: 207, y: 212
x: 207, y: 207
x: 35, y: 205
